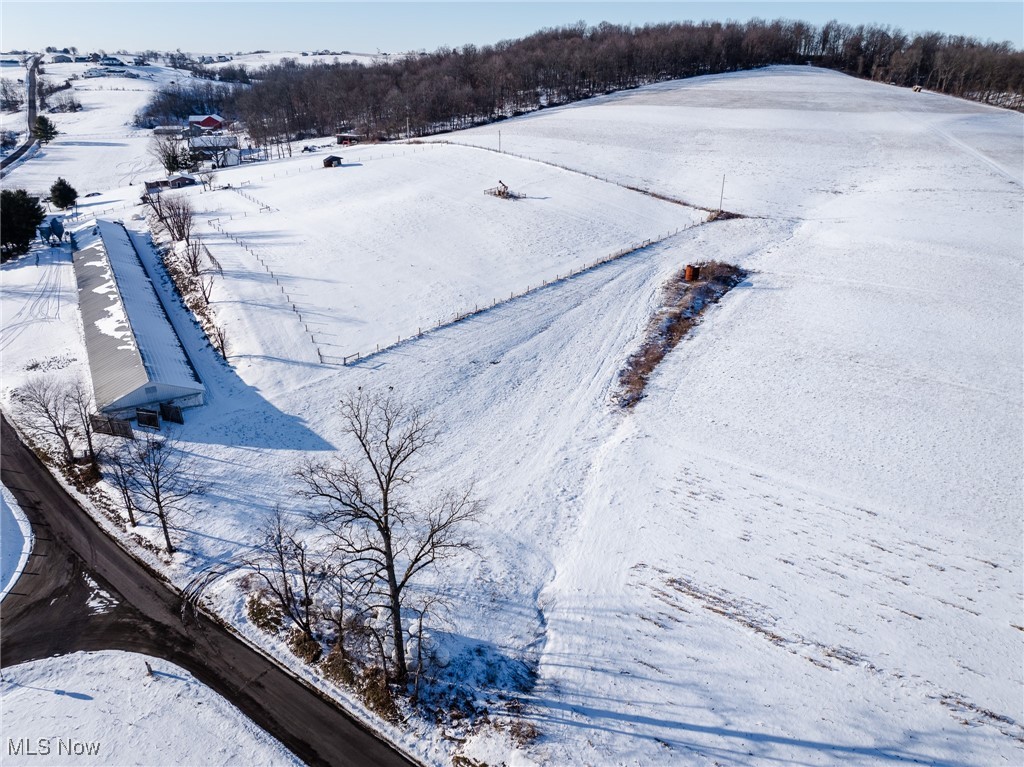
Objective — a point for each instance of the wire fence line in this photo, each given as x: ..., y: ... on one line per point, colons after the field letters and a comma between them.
x: 215, y: 224
x: 357, y: 357
x: 264, y: 207
x: 605, y: 179
x: 80, y: 214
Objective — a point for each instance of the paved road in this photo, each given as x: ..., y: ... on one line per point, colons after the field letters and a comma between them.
x: 73, y: 560
x: 33, y: 101
x: 32, y: 110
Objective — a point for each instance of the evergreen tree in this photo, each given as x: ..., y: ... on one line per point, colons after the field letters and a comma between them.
x: 45, y: 130
x: 21, y: 216
x: 62, y: 194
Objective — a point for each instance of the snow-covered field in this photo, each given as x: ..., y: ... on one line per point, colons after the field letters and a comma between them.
x: 98, y: 149
x: 802, y: 547
x: 400, y: 239
x: 15, y: 540
x: 105, y: 708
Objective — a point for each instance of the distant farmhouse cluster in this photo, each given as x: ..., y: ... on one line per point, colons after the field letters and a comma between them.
x: 206, y: 143
x: 220, y: 59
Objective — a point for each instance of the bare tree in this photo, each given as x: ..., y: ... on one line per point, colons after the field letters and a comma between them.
x: 11, y: 96
x: 220, y: 340
x: 177, y: 215
x: 193, y: 257
x: 205, y: 284
x: 80, y: 401
x: 44, y: 407
x: 201, y: 266
x: 162, y: 479
x: 432, y: 603
x: 121, y: 475
x: 171, y: 153
x: 293, y: 574
x: 385, y: 534
x: 207, y: 177
x: 342, y: 610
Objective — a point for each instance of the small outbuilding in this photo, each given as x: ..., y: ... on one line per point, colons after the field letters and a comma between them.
x: 332, y: 161
x: 168, y: 130
x: 180, y: 180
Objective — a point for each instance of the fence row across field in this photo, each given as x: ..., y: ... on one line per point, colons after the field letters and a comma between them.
x: 215, y: 224
x: 648, y: 192
x: 357, y: 357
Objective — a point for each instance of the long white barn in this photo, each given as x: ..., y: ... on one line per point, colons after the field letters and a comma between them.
x: 135, y: 357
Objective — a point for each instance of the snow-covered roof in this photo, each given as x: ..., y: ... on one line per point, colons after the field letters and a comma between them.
x: 215, y: 142
x: 134, y: 353
x: 200, y: 118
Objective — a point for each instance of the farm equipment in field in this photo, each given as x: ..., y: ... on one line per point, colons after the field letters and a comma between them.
x: 502, y: 191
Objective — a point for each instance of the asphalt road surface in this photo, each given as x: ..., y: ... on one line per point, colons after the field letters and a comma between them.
x: 32, y: 112
x: 46, y: 613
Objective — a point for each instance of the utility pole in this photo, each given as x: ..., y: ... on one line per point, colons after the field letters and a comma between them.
x: 499, y: 140
x: 722, y: 197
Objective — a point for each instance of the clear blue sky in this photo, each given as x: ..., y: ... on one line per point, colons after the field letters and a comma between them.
x: 399, y: 26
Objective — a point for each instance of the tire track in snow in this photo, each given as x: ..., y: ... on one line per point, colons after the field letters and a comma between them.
x: 43, y: 305
x: 966, y: 148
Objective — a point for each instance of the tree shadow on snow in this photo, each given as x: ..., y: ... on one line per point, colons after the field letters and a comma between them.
x: 63, y: 693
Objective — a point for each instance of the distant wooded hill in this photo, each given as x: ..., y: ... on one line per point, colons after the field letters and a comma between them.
x: 455, y: 88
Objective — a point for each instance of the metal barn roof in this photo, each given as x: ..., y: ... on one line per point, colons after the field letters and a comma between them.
x: 135, y: 357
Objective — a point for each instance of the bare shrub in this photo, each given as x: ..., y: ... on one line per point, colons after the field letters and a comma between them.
x: 721, y: 273
x: 65, y: 101
x: 523, y: 733
x: 337, y: 667
x: 192, y: 256
x: 292, y: 576
x: 263, y: 613
x: 305, y: 647
x: 682, y: 303
x: 219, y: 337
x: 374, y: 690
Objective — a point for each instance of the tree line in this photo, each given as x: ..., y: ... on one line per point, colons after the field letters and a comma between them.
x: 455, y: 88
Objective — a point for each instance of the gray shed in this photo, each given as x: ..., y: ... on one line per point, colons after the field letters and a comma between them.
x: 135, y: 357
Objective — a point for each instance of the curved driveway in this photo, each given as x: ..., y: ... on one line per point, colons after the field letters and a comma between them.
x: 74, y: 561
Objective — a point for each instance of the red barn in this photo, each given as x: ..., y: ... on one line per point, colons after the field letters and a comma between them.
x: 207, y: 122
